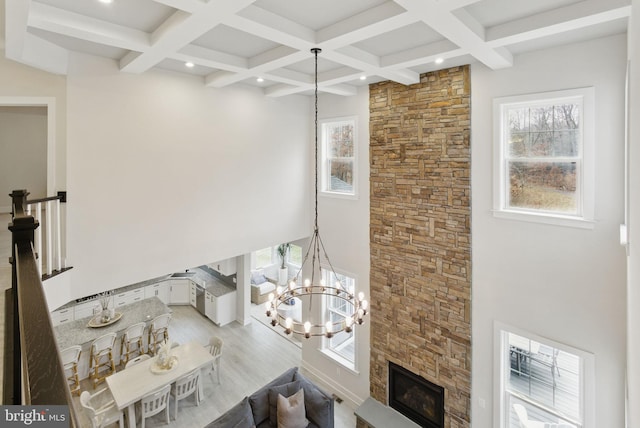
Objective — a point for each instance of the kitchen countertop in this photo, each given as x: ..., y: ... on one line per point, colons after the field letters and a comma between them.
x: 77, y: 332
x: 211, y: 283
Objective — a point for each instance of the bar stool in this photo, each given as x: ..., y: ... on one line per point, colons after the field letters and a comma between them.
x: 132, y: 342
x: 158, y: 332
x: 70, y: 358
x: 101, y: 362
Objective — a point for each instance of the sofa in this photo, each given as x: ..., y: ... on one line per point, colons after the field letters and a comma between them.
x: 260, y: 409
x: 261, y: 286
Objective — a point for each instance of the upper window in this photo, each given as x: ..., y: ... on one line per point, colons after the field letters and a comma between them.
x: 341, y: 346
x: 543, y: 156
x: 263, y: 257
x: 544, y: 383
x: 338, y: 159
x: 295, y: 255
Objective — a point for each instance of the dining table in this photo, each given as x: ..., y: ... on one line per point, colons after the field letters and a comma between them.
x: 131, y: 384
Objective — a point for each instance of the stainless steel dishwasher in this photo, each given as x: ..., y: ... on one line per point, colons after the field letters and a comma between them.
x: 200, y: 299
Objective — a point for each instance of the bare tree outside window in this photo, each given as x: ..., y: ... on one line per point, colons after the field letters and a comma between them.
x: 339, y: 156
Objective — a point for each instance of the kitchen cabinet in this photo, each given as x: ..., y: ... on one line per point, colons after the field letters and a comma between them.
x: 221, y: 309
x: 128, y: 297
x: 86, y: 309
x: 62, y: 316
x: 192, y: 293
x: 225, y: 267
x: 179, y: 291
x: 159, y: 290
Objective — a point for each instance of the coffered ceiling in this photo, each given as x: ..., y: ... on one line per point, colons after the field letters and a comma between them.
x: 238, y: 41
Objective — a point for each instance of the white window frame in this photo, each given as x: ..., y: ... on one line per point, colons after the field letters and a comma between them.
x: 254, y: 258
x: 325, y: 345
x: 290, y: 262
x: 502, y: 366
x: 323, y: 167
x: 585, y: 181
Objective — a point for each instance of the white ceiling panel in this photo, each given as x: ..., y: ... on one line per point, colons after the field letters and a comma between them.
x: 495, y: 12
x: 411, y: 36
x: 232, y: 41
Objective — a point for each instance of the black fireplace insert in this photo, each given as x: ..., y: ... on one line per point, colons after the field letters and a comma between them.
x: 415, y: 397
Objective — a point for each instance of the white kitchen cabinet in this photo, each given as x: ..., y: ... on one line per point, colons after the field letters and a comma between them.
x: 86, y: 309
x: 192, y: 293
x: 225, y: 267
x: 127, y: 297
x: 62, y: 316
x: 179, y: 291
x: 222, y: 309
x: 159, y: 290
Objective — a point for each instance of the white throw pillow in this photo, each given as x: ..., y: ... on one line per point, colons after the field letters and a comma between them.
x: 291, y: 412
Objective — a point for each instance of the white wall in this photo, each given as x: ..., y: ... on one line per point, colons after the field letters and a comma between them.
x: 23, y: 151
x: 344, y: 228
x: 633, y: 261
x: 165, y: 174
x: 560, y: 283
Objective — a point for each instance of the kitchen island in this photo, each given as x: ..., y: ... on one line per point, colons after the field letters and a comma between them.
x: 79, y: 333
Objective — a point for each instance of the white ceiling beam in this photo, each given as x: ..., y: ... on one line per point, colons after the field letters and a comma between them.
x: 267, y: 25
x: 386, y: 17
x: 571, y: 17
x: 190, y: 6
x: 284, y: 90
x: 180, y: 30
x: 48, y: 18
x: 369, y: 64
x: 16, y: 18
x: 463, y: 35
x: 211, y: 58
x: 422, y: 55
x: 457, y: 4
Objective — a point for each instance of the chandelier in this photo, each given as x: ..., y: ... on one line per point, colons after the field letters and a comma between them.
x: 353, y: 309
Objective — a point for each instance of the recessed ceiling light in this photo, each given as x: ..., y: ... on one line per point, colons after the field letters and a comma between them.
x: 439, y: 60
x: 188, y: 64
x: 106, y: 1
x: 363, y: 77
x: 259, y: 80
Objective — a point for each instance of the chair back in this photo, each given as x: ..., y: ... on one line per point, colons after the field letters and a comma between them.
x: 134, y: 331
x: 70, y: 356
x: 85, y: 401
x: 522, y: 415
x: 160, y: 322
x: 136, y: 360
x: 215, y: 346
x: 155, y: 402
x: 187, y: 385
x: 103, y: 343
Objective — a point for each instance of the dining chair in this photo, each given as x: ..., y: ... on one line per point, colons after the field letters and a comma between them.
x: 184, y: 387
x: 158, y: 332
x: 155, y: 402
x: 100, y: 415
x: 70, y: 358
x: 136, y: 360
x: 523, y: 418
x: 215, y: 349
x: 101, y: 362
x: 132, y: 342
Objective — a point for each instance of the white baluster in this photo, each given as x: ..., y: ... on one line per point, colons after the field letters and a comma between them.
x: 38, y: 236
x: 49, y: 238
x: 58, y: 238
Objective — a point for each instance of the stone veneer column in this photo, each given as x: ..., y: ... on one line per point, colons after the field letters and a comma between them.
x: 421, y: 235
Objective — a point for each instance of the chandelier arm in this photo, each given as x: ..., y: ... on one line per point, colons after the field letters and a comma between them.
x: 326, y: 256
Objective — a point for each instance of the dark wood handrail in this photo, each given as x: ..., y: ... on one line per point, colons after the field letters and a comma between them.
x: 38, y: 374
x: 48, y: 198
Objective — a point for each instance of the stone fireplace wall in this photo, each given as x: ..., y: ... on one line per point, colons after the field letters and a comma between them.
x: 421, y: 235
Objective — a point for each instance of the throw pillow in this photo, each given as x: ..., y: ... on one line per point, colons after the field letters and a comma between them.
x: 318, y: 403
x: 238, y: 416
x: 291, y: 411
x: 260, y: 399
x: 287, y: 390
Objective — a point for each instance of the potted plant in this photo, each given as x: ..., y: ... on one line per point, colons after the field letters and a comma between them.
x: 283, y: 273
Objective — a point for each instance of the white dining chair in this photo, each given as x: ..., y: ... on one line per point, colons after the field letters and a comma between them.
x: 136, y: 360
x: 215, y: 349
x: 155, y: 402
x: 100, y: 415
x: 184, y: 387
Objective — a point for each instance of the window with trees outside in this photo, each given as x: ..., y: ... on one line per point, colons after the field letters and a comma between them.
x: 263, y: 257
x: 338, y: 156
x: 543, y: 383
x: 544, y: 147
x: 341, y: 346
x: 295, y: 255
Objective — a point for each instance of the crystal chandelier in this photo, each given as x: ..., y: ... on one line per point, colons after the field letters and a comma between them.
x: 353, y: 308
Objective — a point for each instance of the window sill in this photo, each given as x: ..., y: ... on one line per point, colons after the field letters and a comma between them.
x: 338, y: 195
x: 556, y: 220
x: 336, y: 358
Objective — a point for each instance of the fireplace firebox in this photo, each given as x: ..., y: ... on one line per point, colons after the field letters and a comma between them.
x: 415, y: 397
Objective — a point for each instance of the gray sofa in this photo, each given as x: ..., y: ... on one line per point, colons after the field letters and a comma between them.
x: 259, y: 409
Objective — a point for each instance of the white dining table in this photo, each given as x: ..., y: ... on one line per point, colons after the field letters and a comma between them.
x: 131, y: 384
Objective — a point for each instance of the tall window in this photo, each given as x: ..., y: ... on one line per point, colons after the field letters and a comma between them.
x: 341, y: 346
x: 295, y: 255
x: 543, y: 154
x: 263, y: 257
x: 338, y: 156
x: 543, y: 382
